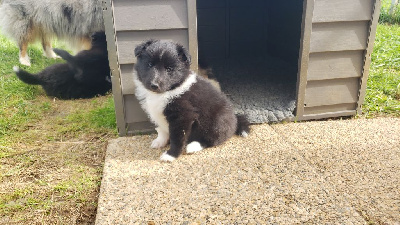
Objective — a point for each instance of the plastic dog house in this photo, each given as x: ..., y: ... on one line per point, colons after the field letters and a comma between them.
x: 277, y: 60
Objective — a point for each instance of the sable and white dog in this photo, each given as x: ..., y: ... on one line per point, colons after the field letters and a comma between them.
x: 186, y: 108
x: 27, y: 21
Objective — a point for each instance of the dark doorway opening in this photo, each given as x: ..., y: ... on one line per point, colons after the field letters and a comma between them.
x: 253, y: 48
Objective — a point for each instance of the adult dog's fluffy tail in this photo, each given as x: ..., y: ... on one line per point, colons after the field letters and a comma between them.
x: 27, y: 77
x: 243, y: 126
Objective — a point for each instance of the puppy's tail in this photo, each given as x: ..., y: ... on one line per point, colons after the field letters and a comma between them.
x: 27, y: 77
x: 243, y: 126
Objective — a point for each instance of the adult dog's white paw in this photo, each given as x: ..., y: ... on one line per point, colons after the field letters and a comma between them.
x: 193, y: 147
x: 159, y: 142
x: 167, y: 158
x: 25, y: 61
x: 51, y: 54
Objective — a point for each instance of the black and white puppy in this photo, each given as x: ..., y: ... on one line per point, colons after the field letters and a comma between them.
x: 187, y: 109
x: 85, y: 75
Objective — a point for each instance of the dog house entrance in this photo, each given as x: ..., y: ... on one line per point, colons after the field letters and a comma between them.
x: 253, y: 48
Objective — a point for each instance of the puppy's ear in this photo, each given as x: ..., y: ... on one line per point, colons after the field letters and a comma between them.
x: 140, y: 48
x: 183, y: 54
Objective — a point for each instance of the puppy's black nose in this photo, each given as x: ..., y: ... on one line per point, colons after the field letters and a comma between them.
x: 154, y: 87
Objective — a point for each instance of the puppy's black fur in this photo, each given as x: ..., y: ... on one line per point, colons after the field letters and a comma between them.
x: 85, y: 75
x: 202, y: 113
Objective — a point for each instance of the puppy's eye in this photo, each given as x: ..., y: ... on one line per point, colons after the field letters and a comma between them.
x: 168, y: 69
x: 150, y: 64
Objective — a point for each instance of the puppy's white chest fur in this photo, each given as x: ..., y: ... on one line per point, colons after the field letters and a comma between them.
x: 154, y: 103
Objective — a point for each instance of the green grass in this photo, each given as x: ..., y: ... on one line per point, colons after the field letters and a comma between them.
x: 51, y: 151
x: 386, y: 17
x: 100, y: 118
x: 104, y: 117
x: 383, y: 89
x: 18, y: 106
x: 16, y: 97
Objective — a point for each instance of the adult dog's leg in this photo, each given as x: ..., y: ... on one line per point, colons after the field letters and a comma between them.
x: 23, y: 53
x: 47, y: 49
x: 86, y: 43
x: 80, y: 44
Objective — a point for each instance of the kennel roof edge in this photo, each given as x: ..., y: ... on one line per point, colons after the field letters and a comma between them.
x: 335, y: 47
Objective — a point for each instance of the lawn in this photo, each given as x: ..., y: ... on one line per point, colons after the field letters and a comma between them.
x: 52, y: 151
x: 383, y: 89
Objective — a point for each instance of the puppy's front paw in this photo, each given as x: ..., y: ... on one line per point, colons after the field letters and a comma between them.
x: 165, y: 157
x: 159, y: 142
x: 244, y: 134
x: 193, y: 147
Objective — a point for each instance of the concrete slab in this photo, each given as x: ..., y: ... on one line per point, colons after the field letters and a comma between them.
x: 260, y: 179
x: 361, y: 158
